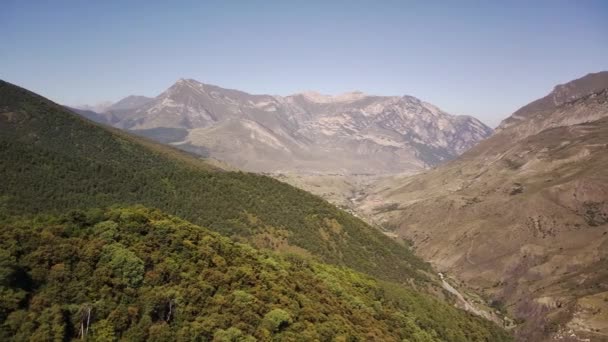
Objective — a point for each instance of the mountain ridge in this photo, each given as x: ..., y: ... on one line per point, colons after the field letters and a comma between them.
x: 306, y: 132
x: 560, y: 94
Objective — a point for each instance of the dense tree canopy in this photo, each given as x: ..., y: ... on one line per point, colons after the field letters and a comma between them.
x: 138, y: 274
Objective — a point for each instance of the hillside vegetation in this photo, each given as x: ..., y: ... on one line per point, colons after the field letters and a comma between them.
x: 53, y: 160
x: 138, y: 274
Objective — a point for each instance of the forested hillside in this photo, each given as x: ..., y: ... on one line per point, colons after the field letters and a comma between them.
x: 139, y: 274
x: 53, y: 160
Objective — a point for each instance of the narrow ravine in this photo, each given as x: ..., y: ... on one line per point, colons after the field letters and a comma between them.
x: 468, y: 306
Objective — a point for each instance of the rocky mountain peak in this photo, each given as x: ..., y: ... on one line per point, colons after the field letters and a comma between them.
x: 184, y: 85
x: 560, y: 94
x: 317, y: 97
x: 309, y: 132
x: 585, y: 85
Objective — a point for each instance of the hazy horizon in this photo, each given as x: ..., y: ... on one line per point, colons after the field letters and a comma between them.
x: 478, y: 59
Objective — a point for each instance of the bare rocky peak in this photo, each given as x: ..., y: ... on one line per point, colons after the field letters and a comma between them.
x: 580, y: 101
x: 309, y: 132
x: 321, y: 98
x: 561, y: 94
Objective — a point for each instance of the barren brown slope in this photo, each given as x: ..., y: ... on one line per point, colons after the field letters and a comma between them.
x: 563, y: 93
x: 522, y: 220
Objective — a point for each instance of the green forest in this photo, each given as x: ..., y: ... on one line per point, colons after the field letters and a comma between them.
x: 138, y: 274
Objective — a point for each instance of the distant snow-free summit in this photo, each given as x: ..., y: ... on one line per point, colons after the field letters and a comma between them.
x: 305, y: 132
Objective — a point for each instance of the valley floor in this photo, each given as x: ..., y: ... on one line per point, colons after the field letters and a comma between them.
x: 349, y: 192
x: 361, y: 196
x: 346, y: 191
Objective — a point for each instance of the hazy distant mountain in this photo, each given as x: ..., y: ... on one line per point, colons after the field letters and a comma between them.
x: 307, y: 132
x: 522, y: 216
x: 98, y: 108
x: 128, y: 103
x: 91, y: 115
x: 109, y: 113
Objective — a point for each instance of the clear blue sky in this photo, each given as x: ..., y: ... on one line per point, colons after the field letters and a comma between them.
x: 479, y: 58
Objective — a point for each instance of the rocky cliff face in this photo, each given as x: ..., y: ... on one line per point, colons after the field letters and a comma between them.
x: 561, y: 94
x: 308, y: 132
x: 522, y: 217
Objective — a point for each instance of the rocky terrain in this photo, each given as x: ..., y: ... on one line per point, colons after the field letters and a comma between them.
x: 522, y: 218
x: 352, y: 133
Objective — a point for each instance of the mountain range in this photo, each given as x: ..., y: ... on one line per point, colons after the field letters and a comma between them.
x: 516, y: 220
x: 351, y: 133
x: 81, y: 257
x: 522, y: 217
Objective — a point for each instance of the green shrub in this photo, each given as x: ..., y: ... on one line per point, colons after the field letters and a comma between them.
x: 277, y: 320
